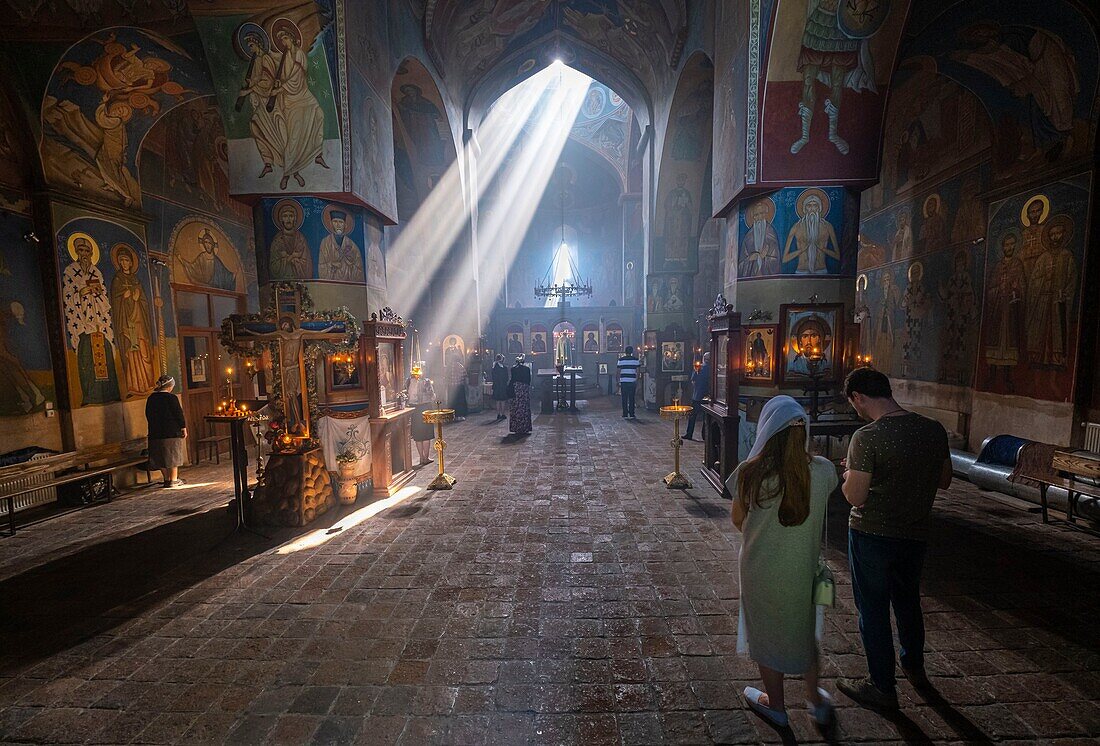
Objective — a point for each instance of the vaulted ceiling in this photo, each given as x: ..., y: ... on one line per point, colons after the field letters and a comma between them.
x: 484, y: 47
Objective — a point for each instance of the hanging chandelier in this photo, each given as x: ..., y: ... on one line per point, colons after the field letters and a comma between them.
x: 571, y: 287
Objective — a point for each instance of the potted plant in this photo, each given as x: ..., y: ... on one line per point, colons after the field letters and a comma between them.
x: 346, y: 462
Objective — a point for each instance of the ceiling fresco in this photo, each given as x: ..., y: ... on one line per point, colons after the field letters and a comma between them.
x: 472, y: 39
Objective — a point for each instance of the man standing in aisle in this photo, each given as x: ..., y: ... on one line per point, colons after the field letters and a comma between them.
x: 700, y: 389
x: 895, y: 465
x: 628, y: 381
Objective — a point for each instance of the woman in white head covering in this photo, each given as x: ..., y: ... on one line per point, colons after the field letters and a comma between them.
x: 779, y: 496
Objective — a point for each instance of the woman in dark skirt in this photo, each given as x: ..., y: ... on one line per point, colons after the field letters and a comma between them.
x: 167, y: 431
x: 520, y: 420
x: 422, y: 396
x: 500, y: 387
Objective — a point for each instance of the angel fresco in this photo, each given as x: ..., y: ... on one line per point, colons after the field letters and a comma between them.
x: 82, y: 151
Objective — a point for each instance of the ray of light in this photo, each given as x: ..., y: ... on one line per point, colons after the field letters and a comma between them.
x: 513, y: 201
x: 316, y: 538
x: 424, y: 242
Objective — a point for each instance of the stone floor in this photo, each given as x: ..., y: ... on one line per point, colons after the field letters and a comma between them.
x: 559, y: 594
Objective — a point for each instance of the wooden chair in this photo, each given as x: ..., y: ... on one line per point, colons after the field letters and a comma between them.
x: 212, y: 441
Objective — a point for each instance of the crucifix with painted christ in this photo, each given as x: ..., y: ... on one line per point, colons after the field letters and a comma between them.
x: 295, y: 333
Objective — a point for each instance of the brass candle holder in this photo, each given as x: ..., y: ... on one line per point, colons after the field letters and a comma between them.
x: 443, y: 480
x: 676, y: 480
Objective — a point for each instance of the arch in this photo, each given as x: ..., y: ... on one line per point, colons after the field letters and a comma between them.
x: 424, y: 144
x: 683, y: 178
x: 517, y: 67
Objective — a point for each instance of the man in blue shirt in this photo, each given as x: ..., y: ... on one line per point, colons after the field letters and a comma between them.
x: 700, y: 389
x: 628, y: 381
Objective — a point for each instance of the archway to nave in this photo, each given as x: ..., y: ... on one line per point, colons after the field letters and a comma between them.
x: 202, y: 256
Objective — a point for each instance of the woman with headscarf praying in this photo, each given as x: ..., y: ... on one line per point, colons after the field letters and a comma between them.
x: 167, y: 431
x: 780, y: 493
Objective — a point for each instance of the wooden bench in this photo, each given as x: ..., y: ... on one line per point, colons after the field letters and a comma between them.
x: 73, y: 466
x: 1072, y: 467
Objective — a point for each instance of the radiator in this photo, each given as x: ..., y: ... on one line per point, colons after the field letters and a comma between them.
x: 40, y: 496
x: 1092, y: 436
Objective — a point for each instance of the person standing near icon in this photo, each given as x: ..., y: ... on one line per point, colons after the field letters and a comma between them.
x: 167, y: 431
x: 519, y: 420
x: 500, y: 387
x: 422, y: 396
x: 700, y: 389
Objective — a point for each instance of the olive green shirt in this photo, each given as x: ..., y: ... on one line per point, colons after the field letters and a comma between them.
x: 904, y: 455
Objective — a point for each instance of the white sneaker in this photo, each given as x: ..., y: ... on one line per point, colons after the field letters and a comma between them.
x: 777, y: 718
x: 822, y: 713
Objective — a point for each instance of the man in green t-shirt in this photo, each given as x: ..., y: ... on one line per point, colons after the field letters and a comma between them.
x: 895, y: 466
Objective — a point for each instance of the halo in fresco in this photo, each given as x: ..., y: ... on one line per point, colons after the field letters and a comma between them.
x: 800, y: 205
x: 282, y: 205
x: 1041, y: 198
x: 92, y: 241
x: 326, y: 218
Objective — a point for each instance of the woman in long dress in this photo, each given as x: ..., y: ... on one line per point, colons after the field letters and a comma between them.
x: 130, y: 314
x: 422, y: 396
x: 781, y: 494
x: 519, y: 420
x: 500, y: 386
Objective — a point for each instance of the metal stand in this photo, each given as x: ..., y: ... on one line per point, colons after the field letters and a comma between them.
x: 443, y: 480
x: 676, y: 480
x: 240, y: 469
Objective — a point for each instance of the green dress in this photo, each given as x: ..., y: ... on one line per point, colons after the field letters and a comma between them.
x: 778, y: 622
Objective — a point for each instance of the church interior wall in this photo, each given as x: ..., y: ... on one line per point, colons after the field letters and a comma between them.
x: 965, y: 290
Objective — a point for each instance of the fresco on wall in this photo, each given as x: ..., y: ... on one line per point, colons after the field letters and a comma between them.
x: 274, y: 72
x: 106, y: 298
x: 932, y: 125
x: 102, y: 98
x: 669, y: 294
x: 185, y: 159
x: 1033, y: 291
x: 372, y: 147
x: 603, y: 124
x: 828, y: 70
x: 26, y: 371
x: 317, y: 240
x: 369, y: 41
x: 731, y: 81
x: 14, y: 167
x: 796, y: 232
x: 203, y: 255
x: 1034, y: 68
x: 684, y: 166
x: 423, y: 144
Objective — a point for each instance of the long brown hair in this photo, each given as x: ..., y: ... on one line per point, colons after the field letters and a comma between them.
x: 784, y: 457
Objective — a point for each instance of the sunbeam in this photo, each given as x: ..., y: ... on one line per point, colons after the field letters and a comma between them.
x: 514, y: 199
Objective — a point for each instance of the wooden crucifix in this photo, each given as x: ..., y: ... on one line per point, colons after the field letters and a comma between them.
x: 295, y: 334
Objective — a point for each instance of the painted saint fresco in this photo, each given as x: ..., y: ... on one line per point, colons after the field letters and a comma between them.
x: 1033, y: 291
x: 110, y: 329
x: 669, y: 294
x: 828, y: 68
x: 603, y: 124
x: 808, y: 330
x: 312, y: 239
x: 423, y: 144
x: 796, y: 231
x: 26, y: 371
x: 203, y: 255
x: 102, y: 98
x: 731, y: 84
x: 274, y: 74
x: 684, y: 168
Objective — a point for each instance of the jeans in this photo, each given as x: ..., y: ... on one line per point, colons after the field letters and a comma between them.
x: 886, y: 572
x: 627, y: 391
x: 696, y: 408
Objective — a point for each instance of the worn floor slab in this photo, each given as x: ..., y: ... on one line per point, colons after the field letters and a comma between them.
x: 558, y: 595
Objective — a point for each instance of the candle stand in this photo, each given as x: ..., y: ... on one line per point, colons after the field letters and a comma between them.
x: 676, y: 480
x: 443, y: 480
